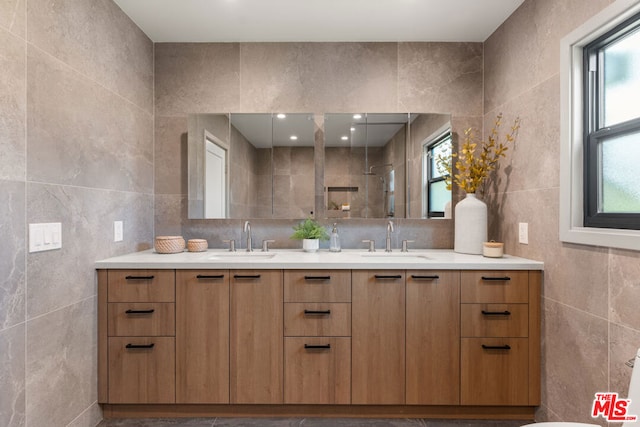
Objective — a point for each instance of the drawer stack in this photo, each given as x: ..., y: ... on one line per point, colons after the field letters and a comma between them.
x: 494, y: 317
x: 317, y: 337
x: 141, y: 336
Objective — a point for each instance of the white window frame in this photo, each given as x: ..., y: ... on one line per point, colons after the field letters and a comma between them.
x: 571, y: 132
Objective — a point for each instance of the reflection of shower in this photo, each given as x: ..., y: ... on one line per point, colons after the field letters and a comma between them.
x: 387, y: 182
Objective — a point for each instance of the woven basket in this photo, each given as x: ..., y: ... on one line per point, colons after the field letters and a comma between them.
x: 169, y: 244
x: 197, y: 245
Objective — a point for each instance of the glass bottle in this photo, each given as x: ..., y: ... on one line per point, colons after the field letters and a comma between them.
x: 334, y: 240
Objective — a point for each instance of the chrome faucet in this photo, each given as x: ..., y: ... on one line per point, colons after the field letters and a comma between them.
x: 247, y: 229
x: 389, y: 231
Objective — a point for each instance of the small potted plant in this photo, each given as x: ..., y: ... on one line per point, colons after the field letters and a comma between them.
x: 310, y: 232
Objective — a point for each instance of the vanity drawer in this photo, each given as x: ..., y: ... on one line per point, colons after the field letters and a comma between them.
x: 494, y: 286
x: 317, y: 319
x: 317, y: 286
x: 141, y: 319
x: 317, y: 370
x: 142, y: 370
x: 494, y: 371
x: 494, y: 320
x: 141, y: 286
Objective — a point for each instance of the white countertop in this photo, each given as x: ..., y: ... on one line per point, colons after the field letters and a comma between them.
x: 356, y: 259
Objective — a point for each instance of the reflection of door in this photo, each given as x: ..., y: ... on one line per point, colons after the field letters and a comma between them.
x: 216, y: 181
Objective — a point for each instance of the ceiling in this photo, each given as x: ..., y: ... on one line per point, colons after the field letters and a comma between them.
x: 318, y: 20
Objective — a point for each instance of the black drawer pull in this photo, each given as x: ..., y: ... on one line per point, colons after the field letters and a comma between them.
x: 317, y: 277
x: 496, y: 313
x: 246, y: 276
x: 139, y: 277
x: 140, y: 345
x: 151, y: 310
x: 496, y: 279
x: 392, y: 276
x: 417, y: 277
x: 496, y: 347
x: 215, y: 276
x: 318, y: 312
x: 317, y: 346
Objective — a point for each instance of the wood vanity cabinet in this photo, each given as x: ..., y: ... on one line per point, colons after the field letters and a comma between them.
x: 389, y: 342
x: 256, y: 365
x: 378, y: 337
x: 500, y: 344
x: 433, y: 338
x: 202, y: 336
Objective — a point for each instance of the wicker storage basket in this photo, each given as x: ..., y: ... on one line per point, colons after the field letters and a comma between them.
x: 197, y: 245
x: 169, y: 244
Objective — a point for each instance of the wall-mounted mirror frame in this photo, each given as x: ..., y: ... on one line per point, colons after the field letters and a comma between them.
x: 379, y: 171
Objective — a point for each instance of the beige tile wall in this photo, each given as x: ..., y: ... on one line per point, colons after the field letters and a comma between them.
x: 76, y: 147
x: 310, y: 77
x: 590, y: 316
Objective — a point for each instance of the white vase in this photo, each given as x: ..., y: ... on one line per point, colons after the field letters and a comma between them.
x: 470, y: 225
x: 310, y: 245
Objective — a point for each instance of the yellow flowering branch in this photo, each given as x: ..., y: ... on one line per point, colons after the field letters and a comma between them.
x: 473, y: 162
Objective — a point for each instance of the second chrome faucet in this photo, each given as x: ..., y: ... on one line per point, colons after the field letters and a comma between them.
x: 247, y: 229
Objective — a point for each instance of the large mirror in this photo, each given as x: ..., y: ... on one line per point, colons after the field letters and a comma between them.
x: 247, y: 166
x: 250, y: 165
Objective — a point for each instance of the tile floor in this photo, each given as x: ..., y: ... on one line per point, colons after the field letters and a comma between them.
x: 303, y: 422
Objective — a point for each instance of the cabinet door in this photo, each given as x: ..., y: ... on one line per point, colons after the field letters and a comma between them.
x: 202, y: 336
x: 378, y: 337
x: 256, y: 336
x: 433, y: 337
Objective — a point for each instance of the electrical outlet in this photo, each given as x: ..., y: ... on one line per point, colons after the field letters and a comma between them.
x: 118, y: 231
x: 523, y: 233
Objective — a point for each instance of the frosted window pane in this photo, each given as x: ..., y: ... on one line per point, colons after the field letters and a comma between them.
x: 622, y: 80
x: 439, y: 196
x: 620, y: 174
x: 442, y: 149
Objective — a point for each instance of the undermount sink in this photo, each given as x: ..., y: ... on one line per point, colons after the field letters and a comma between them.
x: 241, y: 255
x: 401, y: 255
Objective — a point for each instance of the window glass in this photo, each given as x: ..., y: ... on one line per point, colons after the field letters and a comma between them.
x: 620, y: 192
x: 622, y: 79
x: 439, y: 196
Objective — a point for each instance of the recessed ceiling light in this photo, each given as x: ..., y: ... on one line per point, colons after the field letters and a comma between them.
x: 281, y: 115
x: 352, y: 129
x: 357, y: 116
x: 293, y: 138
x: 344, y: 138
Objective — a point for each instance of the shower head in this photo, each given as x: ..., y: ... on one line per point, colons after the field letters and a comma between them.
x: 370, y: 171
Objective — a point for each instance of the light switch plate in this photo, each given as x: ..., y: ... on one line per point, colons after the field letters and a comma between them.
x: 523, y: 233
x: 45, y: 236
x: 118, y: 231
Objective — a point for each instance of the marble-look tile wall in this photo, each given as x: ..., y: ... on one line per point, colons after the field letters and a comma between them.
x: 590, y: 317
x: 303, y: 77
x: 76, y: 147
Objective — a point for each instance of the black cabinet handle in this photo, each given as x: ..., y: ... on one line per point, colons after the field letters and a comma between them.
x: 496, y: 279
x: 496, y: 347
x: 319, y: 312
x: 215, y: 276
x: 317, y: 277
x: 246, y: 276
x: 140, y: 345
x: 496, y: 313
x: 317, y: 346
x: 418, y: 277
x: 151, y: 310
x: 392, y: 276
x: 139, y: 277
